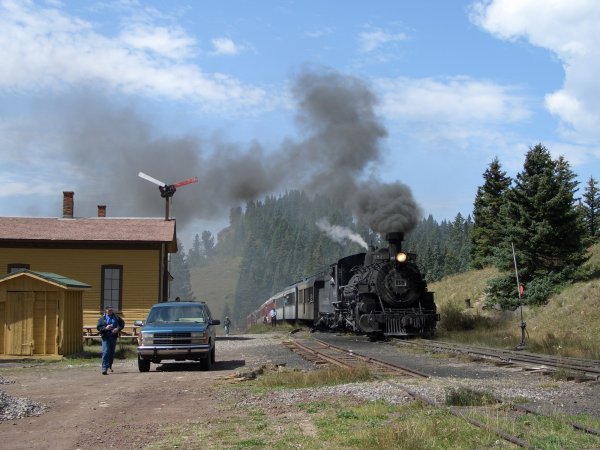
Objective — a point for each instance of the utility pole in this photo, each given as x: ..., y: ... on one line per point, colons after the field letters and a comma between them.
x: 521, y: 346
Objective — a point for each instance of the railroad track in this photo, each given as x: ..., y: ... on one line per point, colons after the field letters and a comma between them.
x: 322, y: 353
x: 575, y: 368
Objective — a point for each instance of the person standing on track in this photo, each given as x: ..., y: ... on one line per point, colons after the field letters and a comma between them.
x: 273, y: 315
x: 109, y: 325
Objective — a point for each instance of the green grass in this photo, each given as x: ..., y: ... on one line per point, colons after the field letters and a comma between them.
x: 540, y: 431
x: 334, y: 425
x: 569, y: 325
x: 346, y: 423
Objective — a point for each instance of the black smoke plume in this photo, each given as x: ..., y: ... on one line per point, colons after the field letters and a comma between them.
x: 340, y: 146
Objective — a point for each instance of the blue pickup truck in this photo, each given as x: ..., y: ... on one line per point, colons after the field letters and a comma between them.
x: 177, y: 331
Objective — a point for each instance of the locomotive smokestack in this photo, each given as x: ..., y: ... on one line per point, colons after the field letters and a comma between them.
x: 395, y: 240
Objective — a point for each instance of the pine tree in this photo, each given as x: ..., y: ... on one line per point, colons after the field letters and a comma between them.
x: 591, y: 201
x: 208, y: 241
x: 195, y: 257
x: 454, y: 246
x: 488, y: 229
x: 544, y: 227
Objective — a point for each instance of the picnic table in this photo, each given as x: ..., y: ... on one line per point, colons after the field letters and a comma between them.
x: 90, y: 333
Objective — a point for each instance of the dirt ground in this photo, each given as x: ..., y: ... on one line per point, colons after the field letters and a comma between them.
x: 125, y: 409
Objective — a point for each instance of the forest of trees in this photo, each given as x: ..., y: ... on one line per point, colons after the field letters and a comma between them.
x: 537, y: 213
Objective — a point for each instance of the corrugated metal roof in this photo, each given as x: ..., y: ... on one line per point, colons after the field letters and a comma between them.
x: 47, y: 276
x: 87, y: 229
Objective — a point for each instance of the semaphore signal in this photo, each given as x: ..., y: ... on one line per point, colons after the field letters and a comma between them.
x: 167, y: 190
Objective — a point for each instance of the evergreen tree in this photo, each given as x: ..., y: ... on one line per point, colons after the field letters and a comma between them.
x: 488, y: 229
x: 195, y: 257
x: 208, y: 241
x: 454, y: 246
x: 591, y: 210
x: 545, y: 229
x: 465, y: 251
x: 180, y: 285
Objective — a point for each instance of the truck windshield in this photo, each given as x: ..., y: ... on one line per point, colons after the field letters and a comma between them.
x: 178, y: 314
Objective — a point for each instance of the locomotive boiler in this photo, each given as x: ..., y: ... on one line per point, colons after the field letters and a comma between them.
x: 387, y: 294
x: 378, y: 293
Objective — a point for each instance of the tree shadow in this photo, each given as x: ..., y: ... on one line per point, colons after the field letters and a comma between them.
x: 195, y: 366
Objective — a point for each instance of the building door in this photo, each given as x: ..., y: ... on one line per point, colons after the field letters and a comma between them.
x: 19, y: 324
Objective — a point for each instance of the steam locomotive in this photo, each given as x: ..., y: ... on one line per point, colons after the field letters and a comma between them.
x: 377, y: 293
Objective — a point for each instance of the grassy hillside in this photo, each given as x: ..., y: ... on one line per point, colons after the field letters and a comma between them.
x: 215, y: 284
x: 569, y: 324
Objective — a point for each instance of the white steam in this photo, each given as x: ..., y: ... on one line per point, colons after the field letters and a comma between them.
x: 339, y: 233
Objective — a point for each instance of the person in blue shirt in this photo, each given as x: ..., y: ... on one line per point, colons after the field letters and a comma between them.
x: 109, y: 325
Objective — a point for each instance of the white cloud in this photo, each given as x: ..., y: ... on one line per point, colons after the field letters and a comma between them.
x: 225, y: 46
x: 166, y: 42
x: 372, y: 40
x: 571, y: 30
x: 455, y: 100
x: 46, y: 48
x: 457, y: 113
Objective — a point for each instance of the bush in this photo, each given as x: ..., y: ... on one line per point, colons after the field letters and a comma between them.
x: 503, y: 290
x: 453, y: 318
x: 466, y: 397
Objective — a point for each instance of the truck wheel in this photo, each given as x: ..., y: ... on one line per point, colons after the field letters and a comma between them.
x: 143, y: 364
x: 206, y: 362
x: 212, y: 355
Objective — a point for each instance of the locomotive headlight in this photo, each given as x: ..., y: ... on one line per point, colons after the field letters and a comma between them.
x: 401, y: 257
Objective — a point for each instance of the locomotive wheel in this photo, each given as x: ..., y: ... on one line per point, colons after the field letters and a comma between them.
x: 364, y: 324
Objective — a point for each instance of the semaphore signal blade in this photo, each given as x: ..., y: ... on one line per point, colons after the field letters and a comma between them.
x: 188, y: 181
x: 151, y: 179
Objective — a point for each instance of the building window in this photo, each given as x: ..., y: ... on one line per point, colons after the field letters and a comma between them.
x: 112, y: 286
x: 16, y: 266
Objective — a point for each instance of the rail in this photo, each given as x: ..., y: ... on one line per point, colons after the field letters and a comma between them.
x: 548, y: 364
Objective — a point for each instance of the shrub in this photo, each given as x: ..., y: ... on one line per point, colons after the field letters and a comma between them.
x: 466, y: 397
x: 503, y: 290
x: 453, y: 318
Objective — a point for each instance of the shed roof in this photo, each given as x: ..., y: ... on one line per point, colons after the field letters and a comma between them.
x: 94, y: 229
x: 52, y: 278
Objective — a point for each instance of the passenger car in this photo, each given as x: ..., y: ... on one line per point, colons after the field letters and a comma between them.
x: 177, y: 331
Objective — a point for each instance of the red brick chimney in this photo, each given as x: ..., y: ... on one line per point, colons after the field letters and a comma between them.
x: 68, y: 204
x: 101, y: 210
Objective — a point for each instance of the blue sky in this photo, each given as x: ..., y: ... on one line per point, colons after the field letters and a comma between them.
x: 93, y: 92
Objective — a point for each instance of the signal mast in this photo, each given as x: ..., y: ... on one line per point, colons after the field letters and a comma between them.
x: 167, y: 190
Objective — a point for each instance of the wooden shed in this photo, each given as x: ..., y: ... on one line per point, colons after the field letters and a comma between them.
x: 41, y: 313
